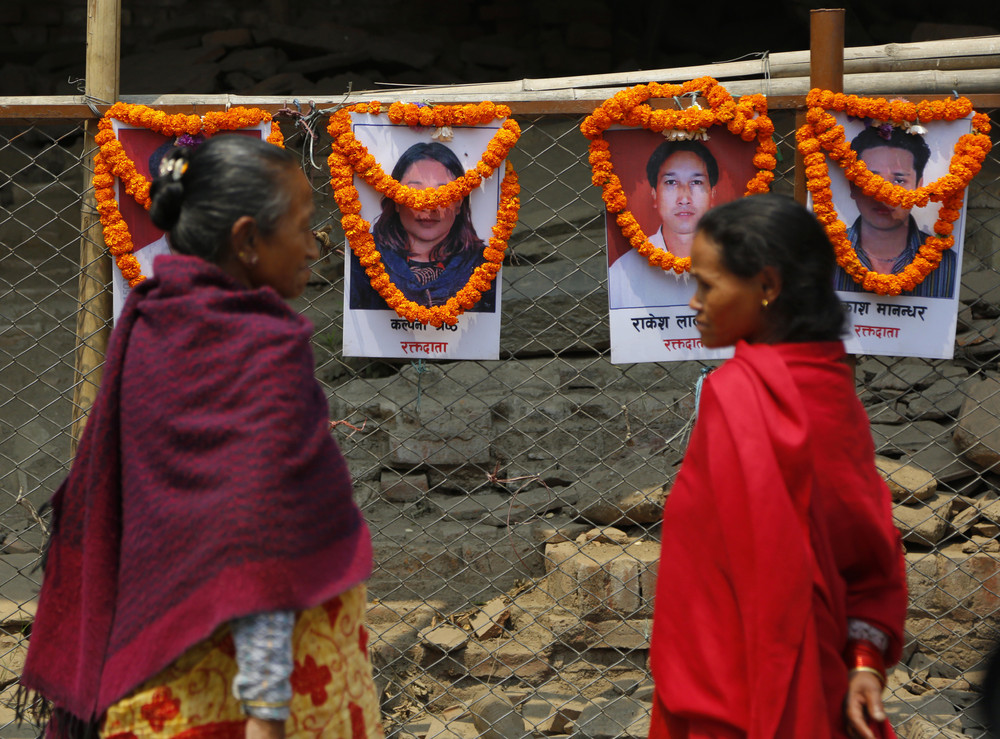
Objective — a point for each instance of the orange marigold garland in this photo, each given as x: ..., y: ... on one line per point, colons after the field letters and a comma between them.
x: 746, y: 117
x: 111, y: 161
x: 822, y: 136
x: 349, y: 157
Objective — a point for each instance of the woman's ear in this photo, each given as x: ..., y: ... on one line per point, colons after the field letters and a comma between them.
x: 770, y: 280
x: 241, y: 240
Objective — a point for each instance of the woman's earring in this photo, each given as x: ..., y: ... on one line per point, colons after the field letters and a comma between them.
x: 764, y: 303
x: 248, y: 258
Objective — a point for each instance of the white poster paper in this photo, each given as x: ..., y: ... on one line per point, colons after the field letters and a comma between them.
x: 371, y: 328
x: 921, y: 325
x: 669, y: 186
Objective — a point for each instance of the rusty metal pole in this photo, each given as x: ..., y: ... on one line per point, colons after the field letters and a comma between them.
x: 826, y: 70
x: 93, y: 318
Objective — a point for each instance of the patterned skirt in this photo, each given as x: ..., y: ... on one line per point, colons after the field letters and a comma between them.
x: 333, y: 694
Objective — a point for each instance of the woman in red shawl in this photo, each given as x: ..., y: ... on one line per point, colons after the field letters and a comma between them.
x: 781, y: 590
x: 206, y: 567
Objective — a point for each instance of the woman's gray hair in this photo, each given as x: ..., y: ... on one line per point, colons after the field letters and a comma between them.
x: 227, y: 177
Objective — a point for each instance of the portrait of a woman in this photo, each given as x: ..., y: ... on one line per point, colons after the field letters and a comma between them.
x: 429, y: 254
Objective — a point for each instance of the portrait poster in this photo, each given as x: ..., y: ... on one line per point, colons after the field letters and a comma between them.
x: 371, y: 328
x: 145, y: 149
x: 921, y: 325
x: 650, y: 319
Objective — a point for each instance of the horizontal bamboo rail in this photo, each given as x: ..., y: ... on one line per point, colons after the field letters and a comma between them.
x: 974, y: 53
x: 929, y: 69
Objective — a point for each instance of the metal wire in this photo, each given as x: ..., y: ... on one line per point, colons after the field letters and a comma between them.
x: 514, y: 503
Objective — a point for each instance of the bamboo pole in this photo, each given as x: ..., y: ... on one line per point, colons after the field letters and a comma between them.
x: 93, y: 316
x: 982, y: 88
x: 983, y: 82
x: 21, y: 111
x: 973, y: 53
x: 929, y: 69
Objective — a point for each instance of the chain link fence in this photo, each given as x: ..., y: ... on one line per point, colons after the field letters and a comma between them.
x: 515, y: 504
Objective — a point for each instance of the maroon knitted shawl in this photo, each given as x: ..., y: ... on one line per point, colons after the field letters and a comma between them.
x: 206, y: 487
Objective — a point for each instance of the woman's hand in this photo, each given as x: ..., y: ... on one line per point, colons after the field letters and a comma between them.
x: 863, y: 704
x: 259, y: 728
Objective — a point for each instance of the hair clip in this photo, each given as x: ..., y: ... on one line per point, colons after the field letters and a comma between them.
x: 174, y: 168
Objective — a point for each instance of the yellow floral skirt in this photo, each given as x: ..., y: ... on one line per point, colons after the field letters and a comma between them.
x: 333, y: 694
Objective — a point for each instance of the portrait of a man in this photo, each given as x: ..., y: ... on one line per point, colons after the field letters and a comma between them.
x: 682, y: 177
x: 670, y: 180
x: 886, y: 238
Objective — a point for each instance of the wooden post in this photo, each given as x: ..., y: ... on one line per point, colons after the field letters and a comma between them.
x: 826, y: 70
x: 93, y: 318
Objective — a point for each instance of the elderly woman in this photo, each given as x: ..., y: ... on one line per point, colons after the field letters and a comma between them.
x: 429, y: 254
x: 205, y: 572
x: 781, y: 593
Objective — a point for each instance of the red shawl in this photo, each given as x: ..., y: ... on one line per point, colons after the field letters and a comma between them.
x: 206, y: 487
x: 777, y: 531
